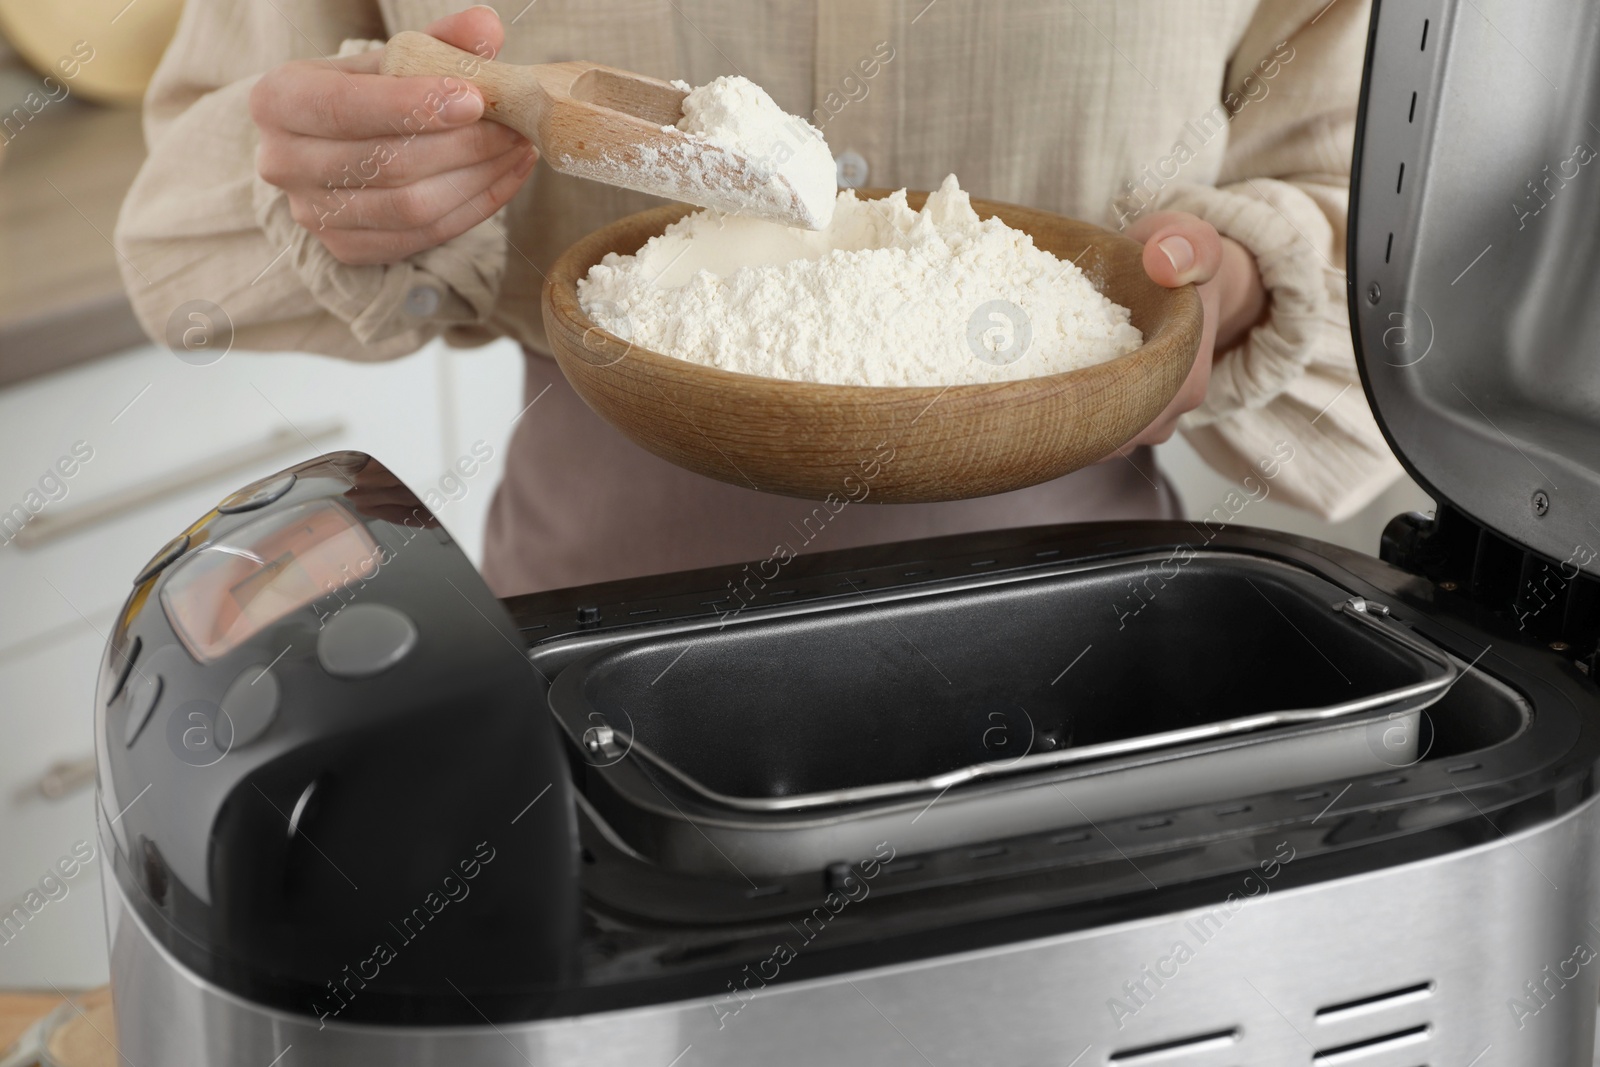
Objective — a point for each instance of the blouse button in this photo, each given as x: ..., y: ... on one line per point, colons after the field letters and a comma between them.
x: 852, y: 169
x: 422, y: 301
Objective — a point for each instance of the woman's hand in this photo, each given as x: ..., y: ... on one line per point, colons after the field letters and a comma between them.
x: 380, y: 167
x: 1178, y: 249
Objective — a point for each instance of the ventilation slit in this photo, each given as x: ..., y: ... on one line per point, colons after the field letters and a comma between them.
x: 1358, y: 1051
x: 1201, y: 1043
x: 1400, y: 181
x: 1394, y: 998
x: 1425, y: 34
x: 1413, y: 116
x: 1388, y: 249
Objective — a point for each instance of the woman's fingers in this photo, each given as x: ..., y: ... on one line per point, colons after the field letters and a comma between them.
x: 382, y: 167
x: 315, y: 98
x: 421, y: 203
x: 1179, y: 248
x: 476, y: 30
x: 359, y: 247
x: 312, y: 164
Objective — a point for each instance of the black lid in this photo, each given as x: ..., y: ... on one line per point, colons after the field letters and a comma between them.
x: 324, y: 779
x: 1473, y: 227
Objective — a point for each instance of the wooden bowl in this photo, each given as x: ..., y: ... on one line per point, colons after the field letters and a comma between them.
x: 921, y: 443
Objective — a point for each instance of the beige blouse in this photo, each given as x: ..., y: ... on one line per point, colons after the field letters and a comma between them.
x: 1241, y: 111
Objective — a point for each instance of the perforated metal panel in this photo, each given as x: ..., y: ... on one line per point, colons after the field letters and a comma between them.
x: 1474, y: 259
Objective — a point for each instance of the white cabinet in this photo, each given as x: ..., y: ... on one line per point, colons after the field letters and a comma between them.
x: 46, y: 700
x: 480, y: 393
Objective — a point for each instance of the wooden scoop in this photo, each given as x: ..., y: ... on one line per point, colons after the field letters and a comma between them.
x: 608, y: 125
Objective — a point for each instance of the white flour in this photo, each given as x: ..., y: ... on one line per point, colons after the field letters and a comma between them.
x: 737, y: 114
x: 734, y: 150
x: 883, y: 296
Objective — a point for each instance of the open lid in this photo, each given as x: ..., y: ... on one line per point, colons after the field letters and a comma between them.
x: 1474, y: 243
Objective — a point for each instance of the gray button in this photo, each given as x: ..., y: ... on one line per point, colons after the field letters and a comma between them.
x: 365, y: 639
x: 251, y: 703
x: 142, y: 697
x: 258, y: 495
x: 851, y: 168
x: 421, y: 301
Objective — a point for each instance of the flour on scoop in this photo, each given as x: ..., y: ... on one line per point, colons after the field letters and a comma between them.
x: 883, y: 296
x: 736, y: 114
x: 734, y: 150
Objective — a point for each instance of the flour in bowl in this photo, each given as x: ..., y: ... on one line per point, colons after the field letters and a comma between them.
x: 883, y: 296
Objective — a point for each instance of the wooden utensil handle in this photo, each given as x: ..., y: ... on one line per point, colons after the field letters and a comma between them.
x: 510, y: 95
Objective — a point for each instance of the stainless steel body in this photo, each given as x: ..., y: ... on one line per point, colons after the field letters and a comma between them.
x: 1450, y: 947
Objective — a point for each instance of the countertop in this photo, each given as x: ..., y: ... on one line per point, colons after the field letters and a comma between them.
x: 18, y: 1011
x: 88, y: 1047
x: 62, y: 180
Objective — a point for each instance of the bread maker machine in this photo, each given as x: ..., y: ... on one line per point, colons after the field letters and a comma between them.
x: 1187, y: 794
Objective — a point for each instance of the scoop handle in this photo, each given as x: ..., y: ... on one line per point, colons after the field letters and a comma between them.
x: 512, y: 95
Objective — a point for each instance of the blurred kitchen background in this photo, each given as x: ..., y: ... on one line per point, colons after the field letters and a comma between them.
x: 169, y: 438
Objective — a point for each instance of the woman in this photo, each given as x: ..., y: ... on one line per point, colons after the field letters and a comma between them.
x: 329, y: 208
